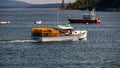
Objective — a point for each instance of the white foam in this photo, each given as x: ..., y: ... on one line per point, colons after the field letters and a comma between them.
x: 16, y: 41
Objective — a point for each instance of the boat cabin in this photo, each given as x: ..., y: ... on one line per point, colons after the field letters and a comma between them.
x: 65, y: 29
x: 89, y: 17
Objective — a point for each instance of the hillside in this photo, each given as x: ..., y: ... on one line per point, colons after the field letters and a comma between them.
x: 12, y: 4
x: 19, y: 4
x: 45, y: 6
x: 102, y: 5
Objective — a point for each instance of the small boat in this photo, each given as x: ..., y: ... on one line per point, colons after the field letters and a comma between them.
x: 88, y: 18
x: 4, y: 22
x: 38, y: 22
x: 59, y: 33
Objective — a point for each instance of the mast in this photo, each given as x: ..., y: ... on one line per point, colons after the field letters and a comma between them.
x: 93, y: 14
x: 57, y: 18
x: 63, y: 4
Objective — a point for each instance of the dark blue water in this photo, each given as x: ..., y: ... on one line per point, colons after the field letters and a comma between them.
x: 19, y: 50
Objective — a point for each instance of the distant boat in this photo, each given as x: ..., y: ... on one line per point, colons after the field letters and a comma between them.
x: 59, y: 33
x: 4, y: 22
x: 88, y: 18
x: 38, y: 22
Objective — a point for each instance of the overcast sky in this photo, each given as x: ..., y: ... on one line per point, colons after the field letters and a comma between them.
x: 45, y: 1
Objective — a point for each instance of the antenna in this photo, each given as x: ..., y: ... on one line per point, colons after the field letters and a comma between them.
x: 57, y: 19
x: 63, y: 4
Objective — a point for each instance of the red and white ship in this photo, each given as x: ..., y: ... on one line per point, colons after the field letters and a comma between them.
x: 87, y: 19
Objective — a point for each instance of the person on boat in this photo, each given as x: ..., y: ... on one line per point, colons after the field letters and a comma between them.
x: 68, y: 32
x: 98, y: 20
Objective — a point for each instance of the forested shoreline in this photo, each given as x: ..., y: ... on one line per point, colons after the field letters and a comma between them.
x: 100, y: 5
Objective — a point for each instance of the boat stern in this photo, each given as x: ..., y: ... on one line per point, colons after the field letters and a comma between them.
x: 80, y: 34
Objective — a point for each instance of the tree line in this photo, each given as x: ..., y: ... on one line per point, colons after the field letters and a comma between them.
x: 113, y: 5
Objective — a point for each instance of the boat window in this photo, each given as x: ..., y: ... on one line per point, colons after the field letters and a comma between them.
x: 87, y: 17
x: 75, y: 32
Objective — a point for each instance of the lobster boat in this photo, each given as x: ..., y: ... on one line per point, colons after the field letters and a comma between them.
x: 59, y: 33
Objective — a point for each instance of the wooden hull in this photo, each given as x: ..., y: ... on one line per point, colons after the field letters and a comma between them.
x: 96, y: 21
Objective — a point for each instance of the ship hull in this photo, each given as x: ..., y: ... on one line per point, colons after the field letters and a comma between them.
x: 97, y: 21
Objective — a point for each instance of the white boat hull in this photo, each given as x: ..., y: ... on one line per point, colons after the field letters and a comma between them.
x: 75, y: 37
x: 4, y: 22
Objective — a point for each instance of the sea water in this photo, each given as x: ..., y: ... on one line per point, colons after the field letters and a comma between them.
x: 19, y: 50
